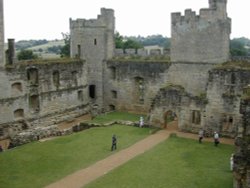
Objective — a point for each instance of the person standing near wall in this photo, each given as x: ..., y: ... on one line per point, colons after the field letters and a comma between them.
x: 216, y: 139
x: 201, y: 135
x: 141, y: 121
x: 232, y: 162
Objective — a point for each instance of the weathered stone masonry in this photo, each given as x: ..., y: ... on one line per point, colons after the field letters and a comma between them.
x: 242, y: 142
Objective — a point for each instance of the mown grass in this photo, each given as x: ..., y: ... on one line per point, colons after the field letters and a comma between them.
x: 175, y: 163
x: 114, y: 116
x: 38, y: 164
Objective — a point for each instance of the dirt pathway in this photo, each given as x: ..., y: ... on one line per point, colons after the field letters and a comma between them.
x: 100, y: 168
x: 85, y: 176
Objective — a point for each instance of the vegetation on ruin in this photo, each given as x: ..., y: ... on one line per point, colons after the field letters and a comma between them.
x: 246, y: 93
x: 40, y: 163
x: 240, y: 65
x: 177, y: 162
x: 50, y: 61
x: 134, y: 58
x: 171, y: 86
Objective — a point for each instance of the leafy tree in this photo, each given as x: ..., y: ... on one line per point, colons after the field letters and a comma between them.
x: 118, y: 40
x: 122, y: 43
x: 237, y: 47
x: 65, y: 50
x: 132, y: 44
x: 26, y: 55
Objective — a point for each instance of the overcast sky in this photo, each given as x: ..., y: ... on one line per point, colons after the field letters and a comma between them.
x: 47, y: 19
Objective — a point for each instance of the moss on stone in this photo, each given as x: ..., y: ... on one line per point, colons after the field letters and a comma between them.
x: 240, y: 65
x: 50, y: 61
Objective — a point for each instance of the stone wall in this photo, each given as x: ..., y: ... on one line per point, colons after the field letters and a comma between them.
x: 203, y: 37
x: 224, y: 91
x: 42, y: 94
x: 131, y: 85
x: 93, y: 41
x: 2, y: 61
x: 188, y: 109
x: 242, y: 156
x: 192, y: 76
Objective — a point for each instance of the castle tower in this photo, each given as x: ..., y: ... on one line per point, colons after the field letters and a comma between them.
x: 2, y: 61
x: 93, y: 41
x: 201, y: 38
x: 220, y: 6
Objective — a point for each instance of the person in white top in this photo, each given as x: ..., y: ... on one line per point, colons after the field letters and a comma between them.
x: 141, y: 121
x: 216, y: 139
x: 232, y: 162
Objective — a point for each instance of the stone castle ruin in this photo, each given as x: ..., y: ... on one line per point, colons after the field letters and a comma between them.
x: 198, y: 83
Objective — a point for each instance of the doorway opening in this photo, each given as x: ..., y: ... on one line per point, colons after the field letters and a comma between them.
x: 170, y: 120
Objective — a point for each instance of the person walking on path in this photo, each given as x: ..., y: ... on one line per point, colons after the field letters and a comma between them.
x: 114, y: 141
x: 216, y: 139
x: 201, y: 135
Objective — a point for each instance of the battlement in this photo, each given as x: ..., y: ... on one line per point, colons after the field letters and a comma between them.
x: 216, y: 10
x: 102, y: 20
x: 203, y: 37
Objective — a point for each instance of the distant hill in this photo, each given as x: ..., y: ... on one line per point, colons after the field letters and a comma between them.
x: 43, y: 48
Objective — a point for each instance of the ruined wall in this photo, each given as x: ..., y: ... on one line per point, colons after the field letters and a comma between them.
x: 192, y: 76
x: 43, y: 94
x: 242, y: 156
x: 203, y: 37
x: 93, y: 40
x: 2, y: 61
x: 224, y: 91
x: 189, y: 110
x: 131, y: 85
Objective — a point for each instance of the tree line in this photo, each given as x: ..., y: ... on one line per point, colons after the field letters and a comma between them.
x: 238, y: 46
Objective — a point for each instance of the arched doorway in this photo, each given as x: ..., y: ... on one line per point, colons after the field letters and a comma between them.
x: 170, y: 120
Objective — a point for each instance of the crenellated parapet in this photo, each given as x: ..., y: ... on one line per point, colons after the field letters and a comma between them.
x: 92, y: 35
x: 201, y: 38
x: 101, y: 21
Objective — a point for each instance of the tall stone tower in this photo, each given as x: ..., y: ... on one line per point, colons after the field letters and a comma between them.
x: 201, y: 38
x: 2, y: 61
x: 93, y: 41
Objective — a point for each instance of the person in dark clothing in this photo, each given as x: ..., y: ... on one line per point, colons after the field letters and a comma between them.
x: 114, y: 141
x: 1, y: 149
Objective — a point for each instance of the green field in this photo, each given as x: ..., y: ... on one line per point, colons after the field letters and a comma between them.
x: 40, y: 163
x: 175, y: 163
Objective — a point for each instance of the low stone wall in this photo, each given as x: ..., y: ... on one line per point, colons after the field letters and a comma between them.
x: 38, y: 133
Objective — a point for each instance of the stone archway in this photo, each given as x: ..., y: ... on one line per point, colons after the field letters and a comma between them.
x: 170, y: 120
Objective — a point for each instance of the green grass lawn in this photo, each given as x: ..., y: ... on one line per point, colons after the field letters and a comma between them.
x: 38, y: 164
x: 108, y: 117
x: 175, y: 163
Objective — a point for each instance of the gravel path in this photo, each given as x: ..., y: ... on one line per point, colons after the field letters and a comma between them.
x: 85, y: 176
x: 100, y: 168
